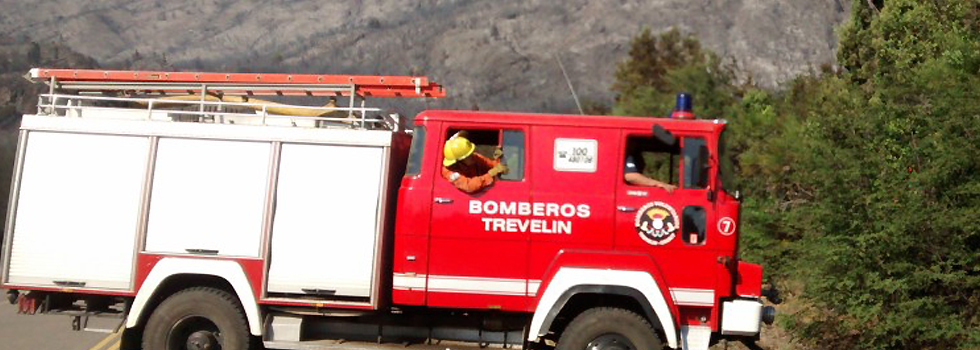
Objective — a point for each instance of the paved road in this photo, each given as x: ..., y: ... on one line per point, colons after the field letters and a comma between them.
x: 23, y: 332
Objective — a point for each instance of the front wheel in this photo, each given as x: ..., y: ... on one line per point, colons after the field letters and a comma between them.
x: 198, y: 318
x: 609, y: 329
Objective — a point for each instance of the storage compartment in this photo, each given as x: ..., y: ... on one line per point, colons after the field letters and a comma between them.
x: 741, y: 317
x: 77, y: 210
x: 208, y: 197
x: 326, y: 229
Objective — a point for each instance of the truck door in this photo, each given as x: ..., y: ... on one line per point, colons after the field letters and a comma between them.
x: 573, y: 167
x: 477, y: 248
x: 672, y: 225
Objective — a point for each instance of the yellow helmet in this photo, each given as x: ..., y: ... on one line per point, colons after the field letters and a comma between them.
x: 456, y: 149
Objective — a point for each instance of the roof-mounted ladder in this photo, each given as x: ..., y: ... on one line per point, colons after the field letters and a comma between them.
x: 169, y: 88
x: 98, y: 81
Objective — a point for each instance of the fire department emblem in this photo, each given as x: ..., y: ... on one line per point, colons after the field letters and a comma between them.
x: 656, y: 222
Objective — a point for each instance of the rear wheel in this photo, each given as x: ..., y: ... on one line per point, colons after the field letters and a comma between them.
x: 609, y: 329
x: 199, y: 318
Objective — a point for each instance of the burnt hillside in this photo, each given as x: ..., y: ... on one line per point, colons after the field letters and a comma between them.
x: 492, y: 54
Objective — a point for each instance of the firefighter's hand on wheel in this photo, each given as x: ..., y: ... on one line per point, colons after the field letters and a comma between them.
x: 498, y: 169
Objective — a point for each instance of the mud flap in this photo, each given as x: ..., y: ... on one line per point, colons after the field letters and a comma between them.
x: 27, y: 303
x: 695, y: 337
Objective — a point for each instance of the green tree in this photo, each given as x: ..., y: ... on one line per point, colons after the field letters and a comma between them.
x: 660, y: 66
x: 34, y: 54
x: 890, y: 249
x: 762, y: 141
x: 863, y: 184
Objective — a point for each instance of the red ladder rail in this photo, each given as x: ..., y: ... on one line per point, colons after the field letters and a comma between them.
x: 93, y: 80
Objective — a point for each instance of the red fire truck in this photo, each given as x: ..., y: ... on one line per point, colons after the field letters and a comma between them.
x: 204, y: 218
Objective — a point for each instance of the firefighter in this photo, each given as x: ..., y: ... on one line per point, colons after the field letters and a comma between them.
x: 470, y: 172
x: 634, y: 176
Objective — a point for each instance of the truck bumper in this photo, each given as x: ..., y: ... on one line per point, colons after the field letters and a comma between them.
x: 744, y: 317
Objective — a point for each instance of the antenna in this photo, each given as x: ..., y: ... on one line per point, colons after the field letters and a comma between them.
x: 570, y: 87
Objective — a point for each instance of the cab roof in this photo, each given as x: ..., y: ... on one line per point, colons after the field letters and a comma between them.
x: 571, y: 120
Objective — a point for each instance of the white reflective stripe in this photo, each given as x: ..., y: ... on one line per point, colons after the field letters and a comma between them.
x: 453, y: 176
x: 404, y: 281
x: 477, y: 285
x: 467, y: 284
x: 532, y: 287
x: 569, y: 277
x: 693, y: 297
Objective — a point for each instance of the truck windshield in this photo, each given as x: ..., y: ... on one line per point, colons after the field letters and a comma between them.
x: 727, y: 167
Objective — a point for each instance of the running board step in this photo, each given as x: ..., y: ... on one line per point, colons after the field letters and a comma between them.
x: 340, y: 345
x: 297, y: 332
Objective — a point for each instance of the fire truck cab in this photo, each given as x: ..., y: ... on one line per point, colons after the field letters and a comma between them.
x: 563, y: 229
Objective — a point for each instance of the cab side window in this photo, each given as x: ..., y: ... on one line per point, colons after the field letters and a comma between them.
x: 696, y: 170
x: 485, y: 140
x: 652, y: 158
x: 513, y: 157
x: 505, y: 145
x: 414, y: 166
x: 696, y: 165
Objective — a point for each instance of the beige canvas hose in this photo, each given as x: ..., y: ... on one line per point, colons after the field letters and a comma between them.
x: 269, y: 106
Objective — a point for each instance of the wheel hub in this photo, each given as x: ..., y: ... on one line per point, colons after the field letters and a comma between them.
x: 610, y: 342
x: 202, y: 340
x: 194, y: 333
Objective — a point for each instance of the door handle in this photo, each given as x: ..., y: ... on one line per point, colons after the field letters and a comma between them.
x: 625, y: 209
x: 69, y: 284
x: 202, y: 251
x: 319, y: 291
x: 442, y: 200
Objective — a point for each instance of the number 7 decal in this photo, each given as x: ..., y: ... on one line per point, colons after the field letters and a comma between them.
x: 726, y: 226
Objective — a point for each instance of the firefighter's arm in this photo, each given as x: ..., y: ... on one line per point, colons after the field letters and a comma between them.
x: 641, y: 180
x: 467, y: 184
x: 497, y: 170
x: 494, y: 165
x: 475, y: 183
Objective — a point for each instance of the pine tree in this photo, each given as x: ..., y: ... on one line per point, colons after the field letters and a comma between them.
x: 658, y: 67
x: 891, y: 253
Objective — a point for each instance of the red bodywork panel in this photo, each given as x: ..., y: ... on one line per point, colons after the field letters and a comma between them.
x: 749, y: 283
x: 251, y: 266
x: 457, y: 254
x: 70, y: 290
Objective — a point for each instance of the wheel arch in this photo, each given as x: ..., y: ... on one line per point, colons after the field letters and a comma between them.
x: 170, y: 275
x: 579, y: 298
x: 639, y: 286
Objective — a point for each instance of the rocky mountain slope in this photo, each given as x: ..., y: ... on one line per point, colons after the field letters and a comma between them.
x: 493, y: 54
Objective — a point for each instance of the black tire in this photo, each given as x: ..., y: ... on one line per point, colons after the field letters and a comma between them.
x: 207, y: 315
x: 607, y: 328
x: 131, y: 338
